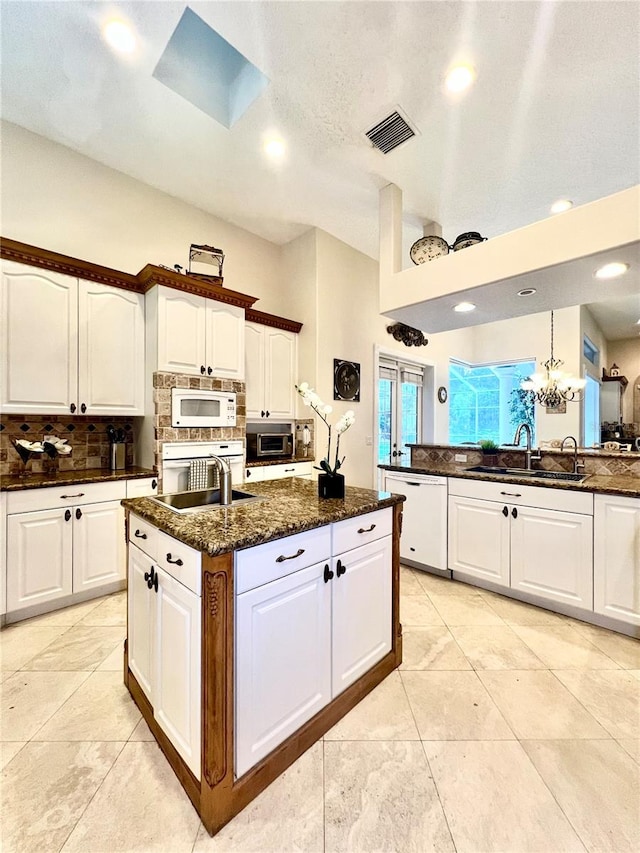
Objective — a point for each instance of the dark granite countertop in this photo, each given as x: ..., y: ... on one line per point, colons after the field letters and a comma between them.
x: 261, y: 463
x: 292, y: 506
x: 64, y: 478
x: 609, y: 484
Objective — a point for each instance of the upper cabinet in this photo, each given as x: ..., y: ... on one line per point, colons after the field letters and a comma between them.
x: 70, y: 345
x: 271, y: 359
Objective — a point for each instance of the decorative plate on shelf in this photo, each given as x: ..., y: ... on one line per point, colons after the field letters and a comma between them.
x: 428, y: 248
x: 346, y: 380
x: 469, y: 238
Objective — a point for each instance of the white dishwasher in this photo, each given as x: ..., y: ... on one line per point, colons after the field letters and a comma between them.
x: 423, y: 543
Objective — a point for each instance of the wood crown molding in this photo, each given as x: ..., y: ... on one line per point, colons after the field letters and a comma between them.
x: 253, y: 316
x: 152, y: 275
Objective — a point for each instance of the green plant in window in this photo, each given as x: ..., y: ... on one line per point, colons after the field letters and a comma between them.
x: 522, y: 407
x: 488, y: 446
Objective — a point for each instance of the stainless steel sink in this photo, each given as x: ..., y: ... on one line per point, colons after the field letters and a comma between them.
x: 523, y: 472
x: 201, y: 501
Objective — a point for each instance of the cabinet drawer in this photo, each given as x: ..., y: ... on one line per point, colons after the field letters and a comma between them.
x: 180, y: 561
x: 143, y: 535
x: 357, y: 531
x: 276, y: 472
x: 32, y: 500
x: 265, y: 563
x: 142, y: 488
x: 514, y: 493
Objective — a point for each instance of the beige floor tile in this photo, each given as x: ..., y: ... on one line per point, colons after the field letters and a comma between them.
x: 519, y: 613
x: 19, y: 643
x: 562, y: 647
x: 101, y: 709
x: 46, y: 788
x: 287, y: 816
x: 409, y: 584
x: 465, y: 610
x: 6, y: 674
x: 82, y: 647
x: 382, y: 715
x: 111, y: 611
x: 538, y: 706
x: 443, y: 586
x: 597, y: 786
x: 380, y: 796
x: 635, y: 673
x: 494, y: 799
x: 115, y: 661
x: 495, y: 647
x: 139, y: 807
x: 431, y: 648
x: 141, y: 732
x: 453, y: 706
x: 66, y: 616
x: 632, y: 747
x: 8, y: 750
x: 418, y: 611
x: 625, y: 651
x: 30, y: 698
x: 612, y: 696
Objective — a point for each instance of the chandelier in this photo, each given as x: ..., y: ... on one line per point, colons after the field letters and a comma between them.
x: 554, y: 386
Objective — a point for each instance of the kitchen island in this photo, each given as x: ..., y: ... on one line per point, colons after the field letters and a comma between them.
x: 253, y: 629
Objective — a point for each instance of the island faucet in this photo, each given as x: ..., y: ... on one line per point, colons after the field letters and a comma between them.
x: 576, y: 464
x: 516, y: 440
x: 224, y: 470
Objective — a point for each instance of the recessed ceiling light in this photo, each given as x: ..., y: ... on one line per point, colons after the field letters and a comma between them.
x: 275, y: 148
x: 461, y: 307
x: 460, y: 78
x: 561, y: 205
x: 527, y: 291
x: 120, y: 36
x: 612, y: 270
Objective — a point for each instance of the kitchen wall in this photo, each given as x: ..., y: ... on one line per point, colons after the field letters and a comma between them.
x: 626, y: 354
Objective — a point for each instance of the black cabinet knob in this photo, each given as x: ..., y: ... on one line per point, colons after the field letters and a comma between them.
x: 203, y: 369
x: 328, y: 574
x: 151, y: 578
x: 67, y: 515
x: 209, y: 371
x: 72, y: 407
x: 262, y: 414
x: 505, y: 511
x: 154, y: 484
x: 83, y: 408
x: 340, y: 568
x: 514, y: 512
x: 78, y: 513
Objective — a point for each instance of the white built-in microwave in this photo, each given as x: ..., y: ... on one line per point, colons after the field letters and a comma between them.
x: 192, y: 407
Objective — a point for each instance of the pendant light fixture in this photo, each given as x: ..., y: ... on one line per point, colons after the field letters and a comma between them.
x: 554, y: 386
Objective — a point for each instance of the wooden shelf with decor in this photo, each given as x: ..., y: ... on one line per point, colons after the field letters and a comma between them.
x: 621, y: 379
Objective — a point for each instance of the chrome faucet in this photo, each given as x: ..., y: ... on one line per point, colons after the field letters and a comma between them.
x: 528, y: 452
x: 576, y: 464
x: 224, y: 470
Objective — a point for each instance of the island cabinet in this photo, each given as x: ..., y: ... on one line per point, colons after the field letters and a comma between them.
x: 616, y: 564
x: 531, y: 539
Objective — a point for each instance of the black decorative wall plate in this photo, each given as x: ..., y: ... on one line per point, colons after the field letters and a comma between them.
x: 346, y: 380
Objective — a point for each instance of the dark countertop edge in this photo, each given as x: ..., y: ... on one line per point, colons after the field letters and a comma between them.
x: 262, y: 463
x: 14, y: 483
x: 592, y: 483
x: 334, y: 510
x: 511, y: 448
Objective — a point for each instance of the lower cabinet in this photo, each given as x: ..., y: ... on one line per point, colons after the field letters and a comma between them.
x: 424, y: 517
x: 616, y: 558
x: 259, y: 473
x: 303, y: 638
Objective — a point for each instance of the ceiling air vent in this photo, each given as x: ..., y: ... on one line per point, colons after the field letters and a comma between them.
x: 390, y: 132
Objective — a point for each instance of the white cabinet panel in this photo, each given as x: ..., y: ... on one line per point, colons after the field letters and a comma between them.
x: 39, y: 340
x: 254, y: 369
x: 283, y: 669
x: 142, y: 488
x: 479, y: 540
x: 277, y: 472
x: 225, y: 340
x: 39, y: 549
x: 140, y: 619
x: 424, y: 518
x: 617, y: 558
x: 98, y: 545
x: 270, y: 371
x: 181, y: 331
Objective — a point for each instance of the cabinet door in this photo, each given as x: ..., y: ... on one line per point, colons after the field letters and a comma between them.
x: 176, y: 693
x: 424, y: 520
x: 616, y: 559
x: 254, y: 369
x: 181, y: 332
x: 110, y: 350
x: 143, y: 487
x: 141, y: 604
x: 479, y: 539
x: 98, y: 545
x: 39, y: 555
x: 280, y: 359
x: 552, y: 555
x: 39, y: 340
x: 283, y: 661
x: 225, y: 340
x: 361, y: 600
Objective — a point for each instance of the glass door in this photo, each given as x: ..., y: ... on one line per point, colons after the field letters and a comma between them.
x: 400, y: 388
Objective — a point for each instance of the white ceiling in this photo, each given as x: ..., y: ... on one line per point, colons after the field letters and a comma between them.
x: 554, y: 112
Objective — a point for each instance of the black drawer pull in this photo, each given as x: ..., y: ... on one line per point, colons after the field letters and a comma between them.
x: 366, y: 529
x: 177, y: 562
x: 282, y: 557
x: 340, y: 568
x: 328, y: 574
x: 287, y: 470
x: 68, y: 497
x: 512, y: 494
x: 140, y: 535
x: 154, y: 484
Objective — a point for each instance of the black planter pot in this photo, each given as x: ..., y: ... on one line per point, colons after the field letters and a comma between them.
x: 331, y: 485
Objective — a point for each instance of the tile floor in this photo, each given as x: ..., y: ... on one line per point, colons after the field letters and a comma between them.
x: 507, y: 728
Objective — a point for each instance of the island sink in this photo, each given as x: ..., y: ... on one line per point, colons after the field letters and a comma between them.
x: 524, y: 472
x: 200, y: 501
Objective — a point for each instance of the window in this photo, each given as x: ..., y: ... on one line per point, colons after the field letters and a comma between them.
x: 591, y: 403
x: 400, y: 386
x: 486, y: 401
x: 590, y: 351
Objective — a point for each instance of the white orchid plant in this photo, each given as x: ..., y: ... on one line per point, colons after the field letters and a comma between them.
x: 310, y: 398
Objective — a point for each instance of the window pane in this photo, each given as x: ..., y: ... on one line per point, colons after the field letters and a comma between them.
x: 385, y: 421
x: 591, y: 412
x: 410, y: 415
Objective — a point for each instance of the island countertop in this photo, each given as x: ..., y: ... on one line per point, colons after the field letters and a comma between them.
x: 291, y: 506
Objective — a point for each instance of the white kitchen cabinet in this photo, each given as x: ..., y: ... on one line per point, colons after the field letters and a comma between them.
x: 424, y: 517
x: 479, y: 542
x: 260, y: 473
x: 142, y: 488
x: 616, y: 564
x: 98, y: 545
x: 141, y: 608
x: 271, y: 368
x: 70, y: 346
x: 196, y: 335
